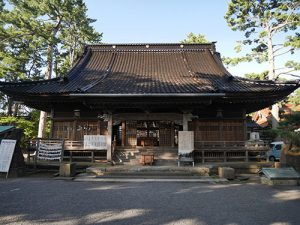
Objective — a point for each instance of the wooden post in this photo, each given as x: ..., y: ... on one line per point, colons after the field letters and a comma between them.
x: 245, y: 124
x: 186, y: 117
x: 123, y: 133
x: 92, y: 156
x: 246, y: 156
x: 109, y: 137
x: 99, y: 127
x: 172, y: 134
x: 74, y: 130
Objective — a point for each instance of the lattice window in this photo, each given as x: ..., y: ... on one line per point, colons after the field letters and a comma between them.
x: 131, y: 133
x: 62, y: 130
x: 165, y: 134
x: 85, y: 128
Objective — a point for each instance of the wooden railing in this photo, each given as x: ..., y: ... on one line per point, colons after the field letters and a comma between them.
x: 229, y: 150
x: 73, y: 145
x: 72, y: 150
x: 204, y: 150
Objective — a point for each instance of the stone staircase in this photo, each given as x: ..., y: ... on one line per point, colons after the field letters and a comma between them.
x: 163, y: 156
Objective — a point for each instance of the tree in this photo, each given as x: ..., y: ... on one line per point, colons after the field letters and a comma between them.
x: 57, y: 31
x: 271, y: 29
x: 19, y: 58
x: 289, y: 129
x: 295, y: 98
x: 194, y: 38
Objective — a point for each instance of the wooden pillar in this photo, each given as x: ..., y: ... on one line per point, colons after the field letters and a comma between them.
x: 245, y: 124
x: 172, y: 134
x: 123, y: 133
x: 51, y: 118
x: 186, y: 117
x: 247, y: 156
x: 99, y: 127
x: 109, y: 137
x: 73, y: 138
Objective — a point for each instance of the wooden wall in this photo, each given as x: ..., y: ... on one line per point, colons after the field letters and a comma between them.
x: 218, y: 130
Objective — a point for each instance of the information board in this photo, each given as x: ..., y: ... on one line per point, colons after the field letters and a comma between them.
x: 7, y: 148
x: 185, y: 142
x: 95, y: 142
x: 281, y: 173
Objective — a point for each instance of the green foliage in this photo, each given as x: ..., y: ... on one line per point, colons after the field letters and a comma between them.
x: 28, y: 124
x: 41, y: 36
x: 287, y: 128
x: 295, y: 98
x: 257, y: 76
x: 261, y: 21
x: 29, y: 127
x: 194, y: 39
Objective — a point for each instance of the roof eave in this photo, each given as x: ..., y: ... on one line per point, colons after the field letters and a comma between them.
x: 149, y: 95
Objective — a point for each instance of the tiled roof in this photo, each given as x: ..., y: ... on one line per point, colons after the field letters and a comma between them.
x: 148, y: 69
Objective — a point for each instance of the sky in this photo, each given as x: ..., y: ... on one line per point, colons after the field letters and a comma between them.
x: 169, y: 21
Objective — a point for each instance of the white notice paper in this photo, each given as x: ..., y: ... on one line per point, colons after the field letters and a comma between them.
x: 185, y: 142
x: 7, y: 148
x: 95, y: 142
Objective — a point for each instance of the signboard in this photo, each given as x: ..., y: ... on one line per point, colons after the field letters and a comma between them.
x: 95, y: 142
x: 281, y: 173
x: 7, y: 148
x: 185, y: 142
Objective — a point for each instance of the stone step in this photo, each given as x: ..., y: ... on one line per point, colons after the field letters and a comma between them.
x: 148, y: 174
x: 127, y: 170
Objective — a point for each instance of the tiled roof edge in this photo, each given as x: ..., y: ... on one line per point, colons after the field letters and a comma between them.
x: 80, y: 62
x: 27, y: 83
x: 268, y: 82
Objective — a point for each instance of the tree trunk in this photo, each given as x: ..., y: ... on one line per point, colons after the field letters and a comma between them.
x: 48, y: 75
x: 16, y: 110
x: 9, y: 107
x: 271, y: 62
x: 42, y: 124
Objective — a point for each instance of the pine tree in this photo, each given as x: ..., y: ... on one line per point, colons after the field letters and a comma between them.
x: 42, y: 35
x: 263, y: 22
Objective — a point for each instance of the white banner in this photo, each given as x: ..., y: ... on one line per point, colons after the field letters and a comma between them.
x: 7, y: 148
x: 95, y: 142
x: 49, y: 151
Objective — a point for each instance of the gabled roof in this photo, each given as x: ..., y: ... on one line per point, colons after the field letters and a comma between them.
x: 147, y: 69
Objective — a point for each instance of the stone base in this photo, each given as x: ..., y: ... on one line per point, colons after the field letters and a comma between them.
x: 67, y: 169
x: 226, y: 172
x: 265, y: 180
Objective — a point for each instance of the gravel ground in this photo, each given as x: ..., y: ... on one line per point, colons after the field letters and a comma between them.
x: 37, y: 200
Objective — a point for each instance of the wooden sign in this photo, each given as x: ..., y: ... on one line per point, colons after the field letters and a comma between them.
x: 95, y: 142
x: 7, y: 148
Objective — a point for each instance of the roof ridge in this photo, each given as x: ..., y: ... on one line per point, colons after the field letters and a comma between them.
x: 153, y: 47
x: 150, y: 43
